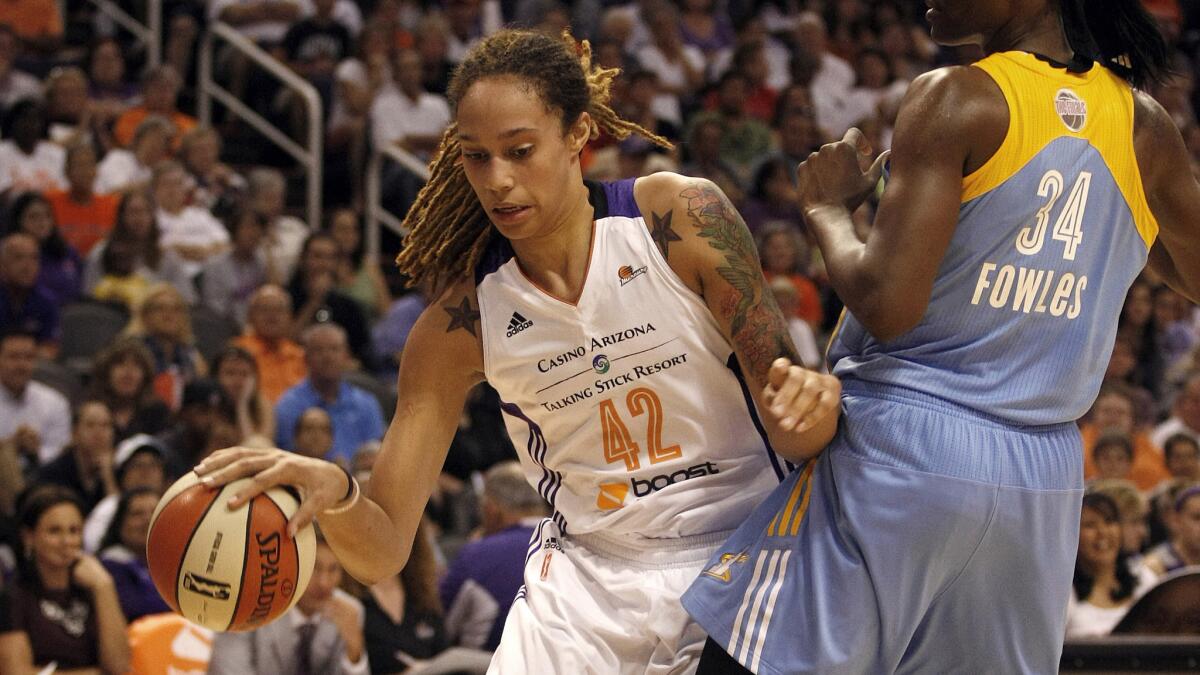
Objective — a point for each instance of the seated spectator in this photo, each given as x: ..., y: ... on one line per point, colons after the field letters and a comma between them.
x: 390, y: 334
x: 784, y: 254
x: 750, y: 61
x: 64, y: 604
x: 798, y: 136
x: 406, y: 115
x: 123, y: 378
x: 121, y: 282
x: 263, y: 21
x: 123, y: 554
x: 358, y: 274
x: 29, y: 161
x: 1105, y: 584
x: 773, y: 199
x: 313, y: 436
x: 132, y: 168
x: 164, y: 326
x: 323, y: 633
x: 313, y: 290
x: 1185, y: 414
x: 215, y: 185
x: 286, y: 234
x: 1183, y: 522
x: 160, y: 89
x: 356, y: 415
x: 704, y: 158
x: 110, y: 93
x: 1113, y: 410
x: 140, y: 463
x: 237, y: 374
x: 1172, y: 321
x: 1134, y: 510
x: 190, y: 231
x: 25, y: 306
x: 84, y: 217
x: 402, y: 620
x: 479, y: 587
x: 314, y: 45
x: 831, y: 76
x: 34, y: 418
x: 705, y: 26
x: 744, y: 139
x: 364, y: 462
x: 268, y: 338
x: 679, y: 66
x: 136, y: 226
x: 229, y: 278
x: 1182, y: 456
x: 1112, y: 454
x: 60, y: 269
x: 205, y: 412
x: 68, y: 112
x: 875, y: 85
x: 15, y: 84
x: 86, y: 463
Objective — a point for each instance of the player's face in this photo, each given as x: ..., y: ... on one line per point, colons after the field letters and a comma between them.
x: 1099, y: 540
x: 520, y: 164
x: 959, y: 22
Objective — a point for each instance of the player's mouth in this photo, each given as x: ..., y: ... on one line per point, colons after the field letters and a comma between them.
x: 509, y: 213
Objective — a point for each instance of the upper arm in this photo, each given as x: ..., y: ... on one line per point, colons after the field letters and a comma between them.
x: 706, y: 242
x: 16, y: 654
x: 442, y: 360
x: 950, y: 122
x: 1172, y: 194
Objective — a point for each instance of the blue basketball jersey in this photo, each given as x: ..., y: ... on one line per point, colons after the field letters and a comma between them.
x: 1052, y: 231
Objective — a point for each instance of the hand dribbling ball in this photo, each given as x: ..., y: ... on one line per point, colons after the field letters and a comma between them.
x: 228, y: 570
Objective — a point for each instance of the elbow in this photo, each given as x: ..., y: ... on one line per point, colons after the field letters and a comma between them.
x: 886, y: 316
x: 382, y: 567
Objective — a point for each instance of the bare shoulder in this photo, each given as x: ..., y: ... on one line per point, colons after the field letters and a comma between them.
x: 683, y: 215
x: 1157, y: 142
x: 448, y: 335
x: 956, y: 111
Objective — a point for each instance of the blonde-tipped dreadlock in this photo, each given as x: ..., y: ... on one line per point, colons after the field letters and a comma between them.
x: 447, y: 228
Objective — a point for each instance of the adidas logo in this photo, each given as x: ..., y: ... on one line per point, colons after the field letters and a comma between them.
x: 517, y: 324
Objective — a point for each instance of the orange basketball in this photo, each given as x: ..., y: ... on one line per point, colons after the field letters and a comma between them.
x: 228, y: 570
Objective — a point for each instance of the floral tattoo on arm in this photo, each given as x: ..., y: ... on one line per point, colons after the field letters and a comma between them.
x: 756, y: 325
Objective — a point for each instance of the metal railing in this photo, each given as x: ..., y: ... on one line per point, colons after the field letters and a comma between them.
x: 377, y: 215
x: 310, y: 155
x: 149, y: 33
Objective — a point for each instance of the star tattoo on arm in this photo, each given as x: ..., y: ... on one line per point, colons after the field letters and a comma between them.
x: 463, y: 316
x: 661, y: 231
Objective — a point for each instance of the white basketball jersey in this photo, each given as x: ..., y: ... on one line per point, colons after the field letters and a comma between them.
x: 627, y: 408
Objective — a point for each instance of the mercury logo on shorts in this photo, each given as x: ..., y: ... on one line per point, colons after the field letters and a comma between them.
x: 1071, y: 109
x: 517, y: 324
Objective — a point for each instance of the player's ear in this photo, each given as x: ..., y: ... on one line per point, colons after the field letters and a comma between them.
x: 579, y: 133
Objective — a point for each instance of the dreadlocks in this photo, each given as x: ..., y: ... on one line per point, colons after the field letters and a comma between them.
x: 448, y: 230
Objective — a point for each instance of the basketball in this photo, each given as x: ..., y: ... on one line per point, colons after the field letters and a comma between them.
x: 228, y: 570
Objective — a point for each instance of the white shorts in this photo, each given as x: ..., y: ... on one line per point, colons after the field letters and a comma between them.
x: 593, y: 604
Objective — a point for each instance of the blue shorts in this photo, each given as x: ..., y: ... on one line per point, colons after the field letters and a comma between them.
x: 925, y: 538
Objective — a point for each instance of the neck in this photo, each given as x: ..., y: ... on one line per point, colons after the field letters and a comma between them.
x: 1041, y: 34
x: 15, y: 391
x: 328, y: 389
x: 81, y: 194
x: 1104, y: 576
x: 54, y: 578
x: 557, y: 260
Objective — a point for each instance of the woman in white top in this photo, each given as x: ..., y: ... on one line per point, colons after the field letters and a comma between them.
x: 29, y: 162
x: 1106, y: 585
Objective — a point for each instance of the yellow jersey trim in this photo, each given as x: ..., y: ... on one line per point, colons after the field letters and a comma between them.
x: 1032, y: 89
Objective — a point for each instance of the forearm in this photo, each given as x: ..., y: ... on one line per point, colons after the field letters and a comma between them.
x: 855, y: 275
x: 114, y: 646
x: 367, y: 522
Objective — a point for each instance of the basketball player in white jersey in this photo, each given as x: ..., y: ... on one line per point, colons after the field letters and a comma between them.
x: 632, y: 339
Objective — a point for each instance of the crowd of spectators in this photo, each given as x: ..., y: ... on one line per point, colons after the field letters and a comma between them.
x: 160, y: 298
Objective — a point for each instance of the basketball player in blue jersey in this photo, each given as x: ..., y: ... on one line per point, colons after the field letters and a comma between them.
x: 937, y: 533
x: 631, y: 336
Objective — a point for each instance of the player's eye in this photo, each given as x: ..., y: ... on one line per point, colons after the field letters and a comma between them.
x: 475, y: 156
x: 522, y: 152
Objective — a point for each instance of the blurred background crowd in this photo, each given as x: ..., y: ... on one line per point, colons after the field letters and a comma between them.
x: 165, y: 290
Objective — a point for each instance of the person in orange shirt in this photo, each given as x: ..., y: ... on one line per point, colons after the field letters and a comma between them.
x: 268, y: 328
x: 84, y: 217
x: 37, y: 22
x: 1114, y: 410
x: 160, y: 88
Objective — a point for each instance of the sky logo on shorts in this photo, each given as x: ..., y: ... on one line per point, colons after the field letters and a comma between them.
x: 627, y: 274
x: 517, y: 324
x: 721, y: 571
x: 612, y: 496
x: 1071, y: 109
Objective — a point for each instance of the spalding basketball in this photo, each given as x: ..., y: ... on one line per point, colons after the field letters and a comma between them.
x: 228, y: 570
